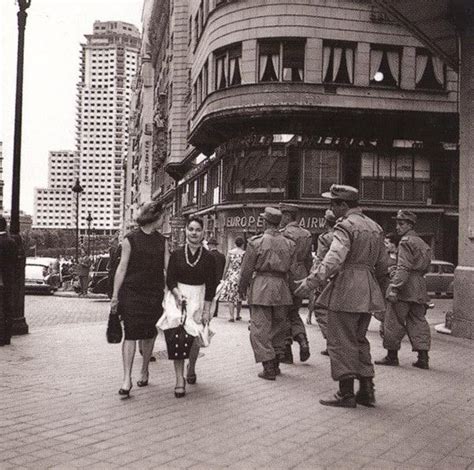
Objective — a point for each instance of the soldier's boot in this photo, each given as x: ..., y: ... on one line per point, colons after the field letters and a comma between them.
x: 366, y: 394
x: 287, y: 358
x: 276, y: 366
x: 345, y: 397
x: 304, y: 347
x: 268, y: 372
x: 391, y: 359
x: 423, y: 360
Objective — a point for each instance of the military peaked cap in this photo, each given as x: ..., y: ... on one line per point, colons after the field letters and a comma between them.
x: 409, y: 216
x: 342, y: 192
x: 272, y: 215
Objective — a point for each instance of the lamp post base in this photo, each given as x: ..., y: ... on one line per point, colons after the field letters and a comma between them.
x: 19, y: 325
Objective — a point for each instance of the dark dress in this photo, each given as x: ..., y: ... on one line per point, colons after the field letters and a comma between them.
x: 141, y: 294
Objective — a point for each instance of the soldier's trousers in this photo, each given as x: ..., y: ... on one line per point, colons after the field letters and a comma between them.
x: 406, y: 318
x: 348, y: 346
x: 294, y: 324
x: 321, y: 315
x: 267, y: 331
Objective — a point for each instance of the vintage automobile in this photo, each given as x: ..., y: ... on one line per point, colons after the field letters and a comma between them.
x: 39, y: 279
x: 99, y: 276
x: 440, y: 278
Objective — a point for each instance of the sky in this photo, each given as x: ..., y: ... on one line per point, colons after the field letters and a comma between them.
x: 54, y: 31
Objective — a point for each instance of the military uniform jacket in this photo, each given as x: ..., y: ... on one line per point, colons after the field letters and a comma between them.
x: 303, y: 241
x: 414, y: 257
x: 265, y: 270
x: 356, y: 260
x: 324, y: 243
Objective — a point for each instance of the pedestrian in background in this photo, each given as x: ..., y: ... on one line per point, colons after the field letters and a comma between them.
x: 355, y: 264
x: 83, y: 267
x: 230, y: 289
x: 408, y: 296
x: 303, y: 240
x: 139, y: 290
x: 324, y: 242
x: 8, y: 259
x: 219, y: 260
x: 391, y: 241
x: 191, y: 279
x: 265, y: 279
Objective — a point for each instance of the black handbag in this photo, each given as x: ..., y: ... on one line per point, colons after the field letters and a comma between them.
x: 178, y: 340
x: 114, y: 329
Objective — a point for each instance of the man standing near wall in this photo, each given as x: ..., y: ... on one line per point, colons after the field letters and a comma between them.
x: 219, y: 260
x: 407, y: 296
x: 356, y: 260
x: 8, y: 255
x: 303, y: 240
x: 265, y: 273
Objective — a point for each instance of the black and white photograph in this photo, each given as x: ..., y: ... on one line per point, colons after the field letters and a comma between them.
x: 237, y: 234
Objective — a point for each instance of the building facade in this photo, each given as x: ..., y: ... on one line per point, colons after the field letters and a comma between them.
x: 55, y: 206
x: 108, y: 64
x: 1, y: 177
x: 285, y: 98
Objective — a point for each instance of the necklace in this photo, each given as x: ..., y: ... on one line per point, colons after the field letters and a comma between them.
x: 187, y: 256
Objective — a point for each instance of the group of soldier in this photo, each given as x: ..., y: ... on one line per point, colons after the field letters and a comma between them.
x: 349, y: 280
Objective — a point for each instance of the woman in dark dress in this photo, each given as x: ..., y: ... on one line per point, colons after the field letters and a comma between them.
x: 139, y: 289
x: 191, y: 278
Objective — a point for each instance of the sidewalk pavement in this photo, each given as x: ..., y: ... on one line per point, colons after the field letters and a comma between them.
x: 59, y: 408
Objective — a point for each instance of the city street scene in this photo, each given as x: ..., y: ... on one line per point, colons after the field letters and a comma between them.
x: 237, y: 234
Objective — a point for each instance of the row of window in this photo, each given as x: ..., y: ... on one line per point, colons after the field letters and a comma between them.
x: 284, y: 61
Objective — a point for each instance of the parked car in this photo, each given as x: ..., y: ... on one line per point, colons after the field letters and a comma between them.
x: 99, y: 275
x: 440, y: 278
x: 39, y: 279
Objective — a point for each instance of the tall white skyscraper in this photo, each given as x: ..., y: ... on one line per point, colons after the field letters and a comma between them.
x: 108, y: 64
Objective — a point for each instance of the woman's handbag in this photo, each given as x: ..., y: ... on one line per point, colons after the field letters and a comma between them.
x: 205, y: 335
x: 114, y: 329
x: 178, y: 341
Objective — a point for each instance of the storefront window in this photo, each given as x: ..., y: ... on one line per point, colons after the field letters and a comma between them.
x: 402, y: 177
x: 320, y: 170
x: 256, y: 173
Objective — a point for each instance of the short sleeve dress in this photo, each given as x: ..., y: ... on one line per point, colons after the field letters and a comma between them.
x: 230, y: 288
x: 142, y: 291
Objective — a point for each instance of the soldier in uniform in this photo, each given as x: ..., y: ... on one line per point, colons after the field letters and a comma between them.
x: 356, y: 260
x: 324, y: 242
x: 407, y: 295
x: 265, y: 274
x: 303, y: 240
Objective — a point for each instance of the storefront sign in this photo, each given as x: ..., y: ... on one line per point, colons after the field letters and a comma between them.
x: 146, y: 170
x: 311, y: 220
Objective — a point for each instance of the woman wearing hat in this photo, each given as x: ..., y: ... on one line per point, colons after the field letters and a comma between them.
x: 139, y: 289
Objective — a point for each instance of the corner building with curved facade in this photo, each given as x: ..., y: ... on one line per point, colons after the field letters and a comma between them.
x: 287, y: 97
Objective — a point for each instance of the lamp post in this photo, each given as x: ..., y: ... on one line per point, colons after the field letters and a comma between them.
x: 78, y: 189
x: 89, y: 220
x: 19, y: 325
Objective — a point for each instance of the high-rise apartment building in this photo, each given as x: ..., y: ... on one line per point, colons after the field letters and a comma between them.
x: 54, y: 206
x: 1, y: 177
x: 108, y: 64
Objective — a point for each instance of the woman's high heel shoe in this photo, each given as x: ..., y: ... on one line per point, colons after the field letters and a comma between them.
x: 180, y: 392
x: 124, y: 393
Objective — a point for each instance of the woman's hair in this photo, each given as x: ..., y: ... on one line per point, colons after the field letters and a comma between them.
x: 239, y: 241
x: 195, y: 218
x: 393, y: 238
x: 150, y: 212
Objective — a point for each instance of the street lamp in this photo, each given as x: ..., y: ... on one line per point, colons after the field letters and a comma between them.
x: 89, y: 220
x: 78, y: 189
x: 19, y: 325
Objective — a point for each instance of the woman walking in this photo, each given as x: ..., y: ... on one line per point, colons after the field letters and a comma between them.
x: 229, y: 292
x: 139, y: 289
x: 191, y: 280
